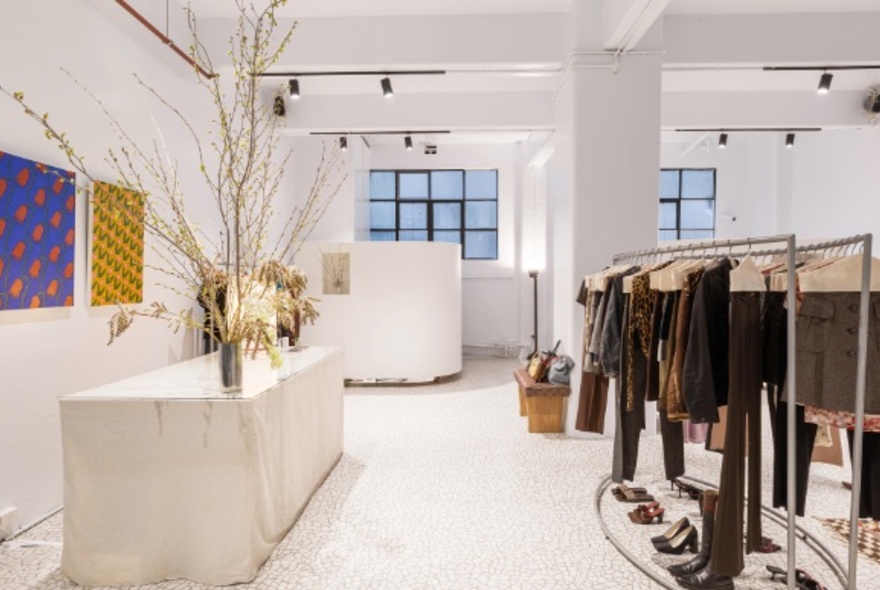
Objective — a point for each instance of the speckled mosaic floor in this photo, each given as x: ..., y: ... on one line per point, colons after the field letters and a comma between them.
x: 446, y: 489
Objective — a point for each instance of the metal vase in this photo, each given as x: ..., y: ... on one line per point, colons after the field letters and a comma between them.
x: 230, y: 366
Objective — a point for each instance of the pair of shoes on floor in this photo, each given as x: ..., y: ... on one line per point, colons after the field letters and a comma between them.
x: 802, y: 580
x: 623, y: 493
x: 680, y: 535
x: 647, y: 513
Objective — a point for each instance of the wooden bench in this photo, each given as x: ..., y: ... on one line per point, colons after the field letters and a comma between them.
x: 543, y: 403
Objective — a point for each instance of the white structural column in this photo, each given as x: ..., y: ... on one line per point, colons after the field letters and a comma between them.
x: 604, y: 176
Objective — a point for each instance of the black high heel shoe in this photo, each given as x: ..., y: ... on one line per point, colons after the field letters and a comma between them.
x: 802, y: 580
x: 666, y: 537
x: 692, y: 491
x: 685, y: 538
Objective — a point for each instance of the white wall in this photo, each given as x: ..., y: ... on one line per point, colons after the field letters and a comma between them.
x: 492, y: 290
x: 49, y: 353
x: 745, y: 178
x: 835, y: 183
x: 827, y: 186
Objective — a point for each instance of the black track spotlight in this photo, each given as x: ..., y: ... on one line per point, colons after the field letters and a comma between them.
x: 789, y: 140
x: 386, y: 87
x: 722, y: 141
x: 407, y: 141
x: 825, y: 83
x: 294, y: 89
x: 343, y: 143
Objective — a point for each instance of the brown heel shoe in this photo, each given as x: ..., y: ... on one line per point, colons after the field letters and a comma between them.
x: 647, y: 516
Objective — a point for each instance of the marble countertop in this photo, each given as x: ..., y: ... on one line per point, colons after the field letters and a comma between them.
x: 199, y: 378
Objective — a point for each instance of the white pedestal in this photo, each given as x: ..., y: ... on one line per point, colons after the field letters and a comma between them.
x: 167, y: 477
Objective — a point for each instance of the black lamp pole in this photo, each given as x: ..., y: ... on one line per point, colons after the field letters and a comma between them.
x: 533, y: 274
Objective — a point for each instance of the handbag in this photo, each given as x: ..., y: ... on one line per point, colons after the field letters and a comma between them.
x: 539, y: 365
x: 560, y: 370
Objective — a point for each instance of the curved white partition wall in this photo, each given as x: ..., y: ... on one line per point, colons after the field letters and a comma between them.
x: 401, y: 318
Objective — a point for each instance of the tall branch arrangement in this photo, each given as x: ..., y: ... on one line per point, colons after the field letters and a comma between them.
x: 242, y: 166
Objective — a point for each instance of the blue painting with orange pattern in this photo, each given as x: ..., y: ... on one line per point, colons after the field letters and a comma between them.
x: 37, y: 234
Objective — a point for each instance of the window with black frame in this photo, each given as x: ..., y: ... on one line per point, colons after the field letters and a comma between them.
x: 456, y: 206
x: 687, y: 203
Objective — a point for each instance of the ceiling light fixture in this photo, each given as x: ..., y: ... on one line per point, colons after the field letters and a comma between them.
x: 294, y: 89
x: 789, y: 140
x: 722, y: 141
x: 825, y: 83
x: 343, y: 143
x: 407, y: 141
x: 386, y: 87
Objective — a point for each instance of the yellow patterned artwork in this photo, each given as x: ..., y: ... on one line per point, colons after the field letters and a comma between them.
x: 117, y: 245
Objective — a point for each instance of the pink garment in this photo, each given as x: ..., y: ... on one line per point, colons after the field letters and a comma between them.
x: 839, y: 419
x: 694, y: 433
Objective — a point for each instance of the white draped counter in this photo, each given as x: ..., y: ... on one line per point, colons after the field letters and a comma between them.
x: 166, y: 476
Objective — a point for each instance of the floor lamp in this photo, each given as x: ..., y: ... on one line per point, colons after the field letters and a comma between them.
x: 533, y: 274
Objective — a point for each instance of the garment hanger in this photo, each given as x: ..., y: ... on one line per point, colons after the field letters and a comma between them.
x: 680, y: 275
x: 645, y: 269
x: 842, y: 274
x: 661, y: 279
x: 746, y: 277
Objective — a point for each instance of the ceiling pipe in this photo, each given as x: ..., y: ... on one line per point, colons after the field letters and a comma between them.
x: 164, y: 38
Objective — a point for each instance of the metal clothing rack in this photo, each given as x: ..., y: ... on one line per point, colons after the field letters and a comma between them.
x: 791, y: 250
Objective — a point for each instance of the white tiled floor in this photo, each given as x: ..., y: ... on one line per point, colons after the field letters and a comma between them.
x: 442, y: 487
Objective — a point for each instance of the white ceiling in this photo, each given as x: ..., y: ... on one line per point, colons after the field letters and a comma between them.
x: 451, y: 82
x: 769, y: 6
x: 751, y: 80
x: 339, y: 8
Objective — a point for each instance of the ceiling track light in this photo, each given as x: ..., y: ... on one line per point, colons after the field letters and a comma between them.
x: 407, y: 141
x: 386, y: 87
x: 294, y: 88
x: 343, y: 143
x: 789, y: 140
x: 825, y: 83
x: 722, y: 141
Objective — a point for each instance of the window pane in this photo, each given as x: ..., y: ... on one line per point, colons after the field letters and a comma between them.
x: 669, y: 184
x: 481, y: 184
x: 452, y: 237
x: 697, y: 214
x: 382, y: 216
x: 695, y: 234
x: 697, y: 184
x: 413, y: 236
x: 413, y: 216
x: 481, y: 215
x: 447, y: 216
x: 382, y: 236
x: 447, y: 184
x: 667, y: 216
x: 413, y: 185
x: 666, y: 234
x: 480, y: 244
x: 382, y: 185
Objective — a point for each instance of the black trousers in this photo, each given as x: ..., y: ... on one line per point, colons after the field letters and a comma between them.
x: 805, y: 439
x: 672, y: 435
x: 869, y: 500
x: 629, y: 423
